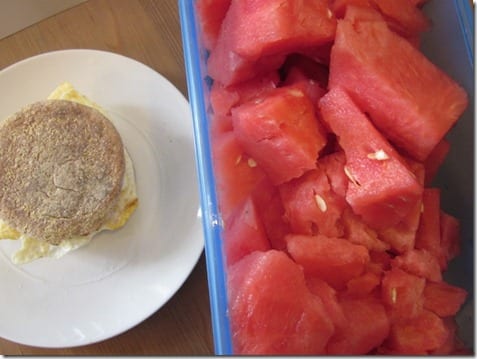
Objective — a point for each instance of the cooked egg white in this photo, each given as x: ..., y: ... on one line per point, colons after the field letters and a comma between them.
x: 31, y: 248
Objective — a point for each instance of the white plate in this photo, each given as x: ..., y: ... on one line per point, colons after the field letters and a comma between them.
x: 121, y: 277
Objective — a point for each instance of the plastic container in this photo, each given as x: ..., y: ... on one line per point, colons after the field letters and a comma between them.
x: 450, y: 45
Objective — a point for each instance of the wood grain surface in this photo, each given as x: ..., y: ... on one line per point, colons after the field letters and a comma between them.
x: 148, y: 31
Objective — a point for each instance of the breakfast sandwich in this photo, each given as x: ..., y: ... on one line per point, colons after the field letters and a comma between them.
x: 65, y: 175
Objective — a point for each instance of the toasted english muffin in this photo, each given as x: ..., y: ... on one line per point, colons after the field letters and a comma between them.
x: 62, y: 166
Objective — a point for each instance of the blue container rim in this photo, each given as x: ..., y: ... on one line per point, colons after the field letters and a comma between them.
x: 465, y: 16
x: 210, y: 216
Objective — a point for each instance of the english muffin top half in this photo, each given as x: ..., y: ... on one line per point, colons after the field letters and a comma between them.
x: 61, y: 170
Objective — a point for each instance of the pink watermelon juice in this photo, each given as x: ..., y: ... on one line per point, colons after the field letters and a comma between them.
x: 334, y: 145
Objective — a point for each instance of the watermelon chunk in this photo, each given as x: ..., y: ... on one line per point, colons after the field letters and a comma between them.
x: 450, y: 236
x: 311, y: 207
x: 309, y: 87
x: 223, y: 98
x: 380, y: 262
x: 339, y: 7
x: 363, y: 285
x: 358, y: 232
x: 210, y: 14
x: 403, y: 16
x: 329, y: 298
x: 428, y: 235
x: 435, y: 160
x: 403, y: 294
x: 228, y: 67
x: 235, y: 177
x: 401, y: 237
x: 452, y: 346
x: 296, y: 320
x: 271, y: 211
x: 300, y: 66
x: 244, y: 233
x: 381, y: 189
x: 409, y: 99
x: 220, y: 124
x: 418, y: 335
x: 420, y: 263
x: 333, y: 165
x: 266, y: 27
x: 335, y: 260
x: 443, y: 299
x: 280, y: 132
x: 366, y: 328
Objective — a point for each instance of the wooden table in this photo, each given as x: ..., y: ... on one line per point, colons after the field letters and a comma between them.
x: 148, y: 31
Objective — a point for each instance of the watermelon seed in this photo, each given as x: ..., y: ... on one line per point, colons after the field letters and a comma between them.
x: 251, y: 163
x: 296, y: 93
x: 329, y: 13
x: 237, y: 161
x: 350, y: 176
x: 393, y: 295
x: 320, y: 202
x: 379, y: 155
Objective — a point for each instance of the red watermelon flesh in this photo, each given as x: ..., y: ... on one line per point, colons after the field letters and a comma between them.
x: 210, y: 15
x: 435, y: 159
x: 380, y: 262
x: 402, y: 293
x: 450, y: 236
x: 403, y: 16
x: 402, y: 236
x: 443, y: 299
x: 421, y: 334
x: 309, y: 87
x: 311, y: 207
x: 363, y: 285
x: 307, y: 67
x: 452, y: 346
x: 408, y: 98
x: 271, y: 211
x: 428, y: 234
x: 339, y: 7
x: 244, y: 233
x: 220, y: 124
x: 358, y: 232
x: 367, y: 326
x: 235, y: 173
x: 333, y: 165
x: 381, y: 188
x: 420, y: 263
x: 228, y: 67
x: 268, y: 27
x: 223, y: 98
x: 281, y: 132
x: 296, y: 320
x: 328, y: 296
x: 400, y: 16
x: 335, y: 260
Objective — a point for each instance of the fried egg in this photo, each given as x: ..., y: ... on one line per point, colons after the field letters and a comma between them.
x: 31, y: 248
